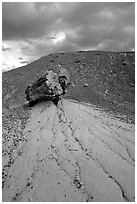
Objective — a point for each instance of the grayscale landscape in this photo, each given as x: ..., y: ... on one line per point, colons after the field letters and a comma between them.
x: 68, y: 116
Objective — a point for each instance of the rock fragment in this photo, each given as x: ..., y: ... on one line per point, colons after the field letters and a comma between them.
x: 50, y: 86
x: 85, y: 85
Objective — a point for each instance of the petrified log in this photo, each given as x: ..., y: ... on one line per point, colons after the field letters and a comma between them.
x: 49, y: 87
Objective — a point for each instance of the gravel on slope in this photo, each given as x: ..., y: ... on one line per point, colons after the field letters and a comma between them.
x: 70, y: 153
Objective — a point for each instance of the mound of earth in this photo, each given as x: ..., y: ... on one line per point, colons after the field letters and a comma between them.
x: 81, y: 149
x: 106, y: 79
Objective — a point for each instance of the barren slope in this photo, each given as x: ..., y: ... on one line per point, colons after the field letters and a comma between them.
x: 72, y: 152
x: 109, y: 78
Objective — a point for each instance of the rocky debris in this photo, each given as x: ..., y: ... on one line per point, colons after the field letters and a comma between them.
x: 13, y: 125
x: 72, y: 85
x: 50, y: 86
x: 101, y: 70
x: 85, y: 85
x: 124, y: 63
x: 74, y: 153
x: 63, y: 78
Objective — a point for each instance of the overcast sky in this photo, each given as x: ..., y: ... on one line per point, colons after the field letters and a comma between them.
x: 32, y: 30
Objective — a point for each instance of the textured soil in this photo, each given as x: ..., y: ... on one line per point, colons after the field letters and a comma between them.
x: 82, y: 149
x: 71, y: 152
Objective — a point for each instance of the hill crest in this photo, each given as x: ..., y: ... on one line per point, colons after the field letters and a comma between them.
x: 106, y: 79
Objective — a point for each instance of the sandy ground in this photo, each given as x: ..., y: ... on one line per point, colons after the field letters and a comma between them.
x: 72, y: 152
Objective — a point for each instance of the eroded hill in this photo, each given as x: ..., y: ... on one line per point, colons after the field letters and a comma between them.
x: 106, y: 79
x: 76, y: 150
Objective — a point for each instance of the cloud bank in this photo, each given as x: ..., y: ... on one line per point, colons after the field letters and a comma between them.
x: 43, y: 28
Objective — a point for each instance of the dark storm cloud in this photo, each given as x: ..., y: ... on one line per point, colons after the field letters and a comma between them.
x: 107, y: 26
x: 25, y: 20
x: 20, y: 58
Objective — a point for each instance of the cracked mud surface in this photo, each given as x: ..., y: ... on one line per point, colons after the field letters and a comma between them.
x: 71, y: 153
